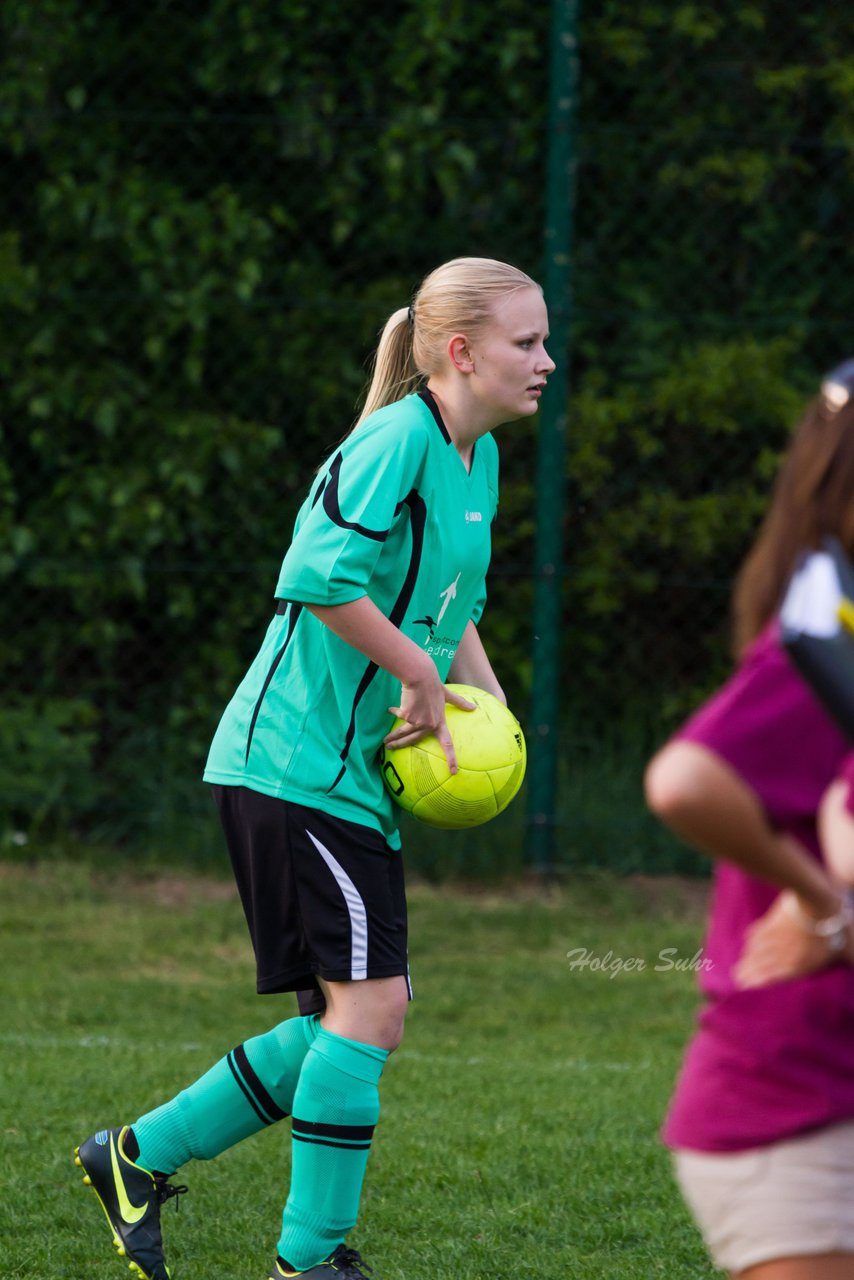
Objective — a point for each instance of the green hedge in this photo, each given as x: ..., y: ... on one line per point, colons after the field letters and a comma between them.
x: 207, y: 213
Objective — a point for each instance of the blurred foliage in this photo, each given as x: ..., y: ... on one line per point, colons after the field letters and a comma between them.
x: 46, y: 764
x: 207, y: 213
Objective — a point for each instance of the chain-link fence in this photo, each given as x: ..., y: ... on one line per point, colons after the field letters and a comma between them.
x: 206, y: 214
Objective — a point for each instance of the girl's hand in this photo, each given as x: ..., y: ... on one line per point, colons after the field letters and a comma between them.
x: 779, y: 946
x: 422, y: 706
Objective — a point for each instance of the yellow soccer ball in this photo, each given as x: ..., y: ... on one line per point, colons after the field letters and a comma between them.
x: 491, y: 756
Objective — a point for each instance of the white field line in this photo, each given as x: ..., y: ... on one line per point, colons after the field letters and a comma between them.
x: 548, y: 1065
x: 84, y: 1042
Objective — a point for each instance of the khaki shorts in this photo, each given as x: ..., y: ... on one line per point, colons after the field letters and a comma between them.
x: 788, y: 1200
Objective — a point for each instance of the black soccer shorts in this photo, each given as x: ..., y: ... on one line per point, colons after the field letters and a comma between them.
x: 323, y: 897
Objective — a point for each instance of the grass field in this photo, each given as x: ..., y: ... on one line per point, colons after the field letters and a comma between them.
x: 519, y: 1130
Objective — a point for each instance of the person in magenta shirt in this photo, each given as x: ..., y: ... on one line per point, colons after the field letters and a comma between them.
x: 836, y: 824
x: 761, y: 778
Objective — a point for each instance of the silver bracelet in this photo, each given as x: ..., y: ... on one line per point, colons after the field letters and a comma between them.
x: 833, y: 929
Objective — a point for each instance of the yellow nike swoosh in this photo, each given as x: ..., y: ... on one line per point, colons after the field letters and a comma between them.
x: 130, y: 1212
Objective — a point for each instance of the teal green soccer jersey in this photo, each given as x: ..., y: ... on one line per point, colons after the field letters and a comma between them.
x: 393, y: 515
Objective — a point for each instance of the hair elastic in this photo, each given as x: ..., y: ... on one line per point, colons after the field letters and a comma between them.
x: 838, y: 386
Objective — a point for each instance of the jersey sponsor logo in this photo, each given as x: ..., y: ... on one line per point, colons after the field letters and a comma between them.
x: 428, y: 622
x: 436, y: 645
x: 446, y: 596
x: 443, y: 647
x: 432, y: 624
x: 474, y: 517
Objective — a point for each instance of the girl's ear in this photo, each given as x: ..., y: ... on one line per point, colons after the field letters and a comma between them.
x: 459, y: 354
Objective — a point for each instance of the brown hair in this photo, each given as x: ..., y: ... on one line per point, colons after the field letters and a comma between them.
x: 813, y: 497
x: 457, y: 297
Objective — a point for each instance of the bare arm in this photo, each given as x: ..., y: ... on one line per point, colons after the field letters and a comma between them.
x: 472, y: 666
x: 423, y: 696
x: 707, y: 804
x: 836, y: 829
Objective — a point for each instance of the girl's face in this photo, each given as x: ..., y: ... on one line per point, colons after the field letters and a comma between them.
x: 509, y: 358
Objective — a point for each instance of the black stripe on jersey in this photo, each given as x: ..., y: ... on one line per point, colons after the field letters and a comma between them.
x: 296, y: 610
x: 417, y: 520
x: 320, y: 489
x: 263, y: 1098
x: 370, y: 671
x: 333, y: 510
x: 429, y: 399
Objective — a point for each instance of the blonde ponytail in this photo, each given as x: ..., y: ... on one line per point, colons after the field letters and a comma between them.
x: 458, y: 297
x: 394, y: 375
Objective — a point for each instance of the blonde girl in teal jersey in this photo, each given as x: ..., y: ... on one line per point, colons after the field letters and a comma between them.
x: 377, y: 606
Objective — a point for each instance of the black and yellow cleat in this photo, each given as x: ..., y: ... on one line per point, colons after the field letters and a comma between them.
x: 131, y: 1198
x: 343, y: 1264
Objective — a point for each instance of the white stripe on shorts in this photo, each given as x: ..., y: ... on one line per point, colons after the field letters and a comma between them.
x: 356, y: 911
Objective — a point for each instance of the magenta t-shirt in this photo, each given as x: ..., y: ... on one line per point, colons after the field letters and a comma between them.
x: 846, y: 773
x: 773, y: 1061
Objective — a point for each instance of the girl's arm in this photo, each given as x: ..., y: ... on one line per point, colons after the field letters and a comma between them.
x: 782, y: 944
x: 423, y: 696
x: 836, y: 830
x: 472, y: 666
x: 707, y: 804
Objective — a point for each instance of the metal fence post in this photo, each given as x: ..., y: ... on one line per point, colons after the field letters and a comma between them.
x: 550, y: 490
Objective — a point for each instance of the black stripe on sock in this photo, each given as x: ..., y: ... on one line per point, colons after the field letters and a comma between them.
x: 327, y: 1142
x: 261, y: 1095
x: 265, y: 1119
x: 315, y: 1129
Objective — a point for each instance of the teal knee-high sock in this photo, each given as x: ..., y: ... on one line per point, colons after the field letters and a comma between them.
x: 251, y: 1087
x: 336, y: 1107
